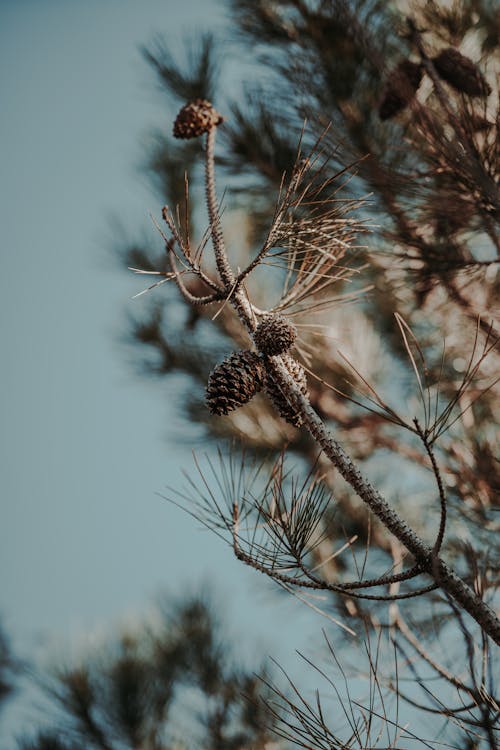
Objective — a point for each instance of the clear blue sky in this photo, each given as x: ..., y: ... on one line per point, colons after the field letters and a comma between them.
x: 85, y: 444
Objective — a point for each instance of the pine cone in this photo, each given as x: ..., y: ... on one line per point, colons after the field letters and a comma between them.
x: 274, y: 335
x: 461, y: 73
x: 195, y: 118
x: 285, y: 410
x: 402, y: 85
x: 233, y: 383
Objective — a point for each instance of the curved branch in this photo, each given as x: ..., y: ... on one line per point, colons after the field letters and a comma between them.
x: 348, y: 589
x: 192, y: 299
x: 169, y: 244
x: 439, y: 482
x: 369, y: 582
x: 321, y: 586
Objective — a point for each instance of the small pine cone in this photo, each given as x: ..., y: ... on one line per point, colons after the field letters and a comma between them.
x: 285, y: 410
x: 233, y: 383
x: 274, y: 335
x: 195, y: 118
x: 402, y: 85
x: 461, y: 73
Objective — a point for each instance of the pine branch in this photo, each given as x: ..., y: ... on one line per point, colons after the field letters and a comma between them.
x: 424, y: 555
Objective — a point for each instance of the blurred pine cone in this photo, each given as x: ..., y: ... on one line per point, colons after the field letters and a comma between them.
x: 402, y: 85
x: 274, y: 335
x: 461, y: 73
x: 285, y: 410
x: 234, y: 382
x: 195, y: 118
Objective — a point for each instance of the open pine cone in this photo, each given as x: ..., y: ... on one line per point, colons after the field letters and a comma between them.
x: 274, y: 335
x: 195, y: 118
x: 234, y: 382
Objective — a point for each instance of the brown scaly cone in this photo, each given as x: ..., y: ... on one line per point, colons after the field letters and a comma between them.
x: 461, y: 73
x: 195, y: 118
x: 285, y: 410
x: 274, y: 335
x: 234, y: 382
x: 402, y: 85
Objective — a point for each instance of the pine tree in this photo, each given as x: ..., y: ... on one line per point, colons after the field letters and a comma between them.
x: 169, y: 684
x: 380, y: 243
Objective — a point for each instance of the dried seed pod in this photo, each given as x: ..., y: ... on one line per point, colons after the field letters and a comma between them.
x: 285, y: 410
x: 461, y: 73
x: 274, y: 335
x: 402, y: 85
x: 195, y: 118
x: 233, y: 383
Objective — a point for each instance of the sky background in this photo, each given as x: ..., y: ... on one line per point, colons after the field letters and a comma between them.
x: 86, y: 444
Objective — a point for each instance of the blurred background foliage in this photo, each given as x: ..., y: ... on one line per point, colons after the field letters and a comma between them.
x: 172, y: 681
